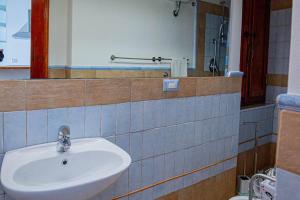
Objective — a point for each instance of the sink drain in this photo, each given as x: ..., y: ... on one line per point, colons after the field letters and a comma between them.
x: 64, y: 162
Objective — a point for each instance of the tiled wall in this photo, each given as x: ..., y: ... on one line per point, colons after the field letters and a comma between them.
x: 256, y: 123
x: 166, y: 134
x: 279, y: 50
x: 219, y: 187
x: 288, y: 159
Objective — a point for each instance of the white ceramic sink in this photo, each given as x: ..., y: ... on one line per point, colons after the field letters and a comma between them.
x: 41, y: 173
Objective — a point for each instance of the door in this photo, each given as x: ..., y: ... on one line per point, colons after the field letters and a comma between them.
x: 254, y: 51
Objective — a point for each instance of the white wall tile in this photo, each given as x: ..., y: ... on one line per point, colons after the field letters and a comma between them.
x: 123, y: 118
x: 56, y: 118
x: 215, y: 105
x: 159, y: 168
x: 108, y: 120
x: 135, y: 176
x: 160, y: 141
x: 14, y: 130
x: 76, y: 121
x: 199, y: 133
x: 122, y: 184
x: 1, y: 160
x: 137, y: 116
x: 172, y: 111
x: 199, y: 107
x: 136, y: 142
x: 148, y: 144
x: 92, y: 121
x: 37, y: 127
x: 171, y: 135
x: 147, y: 172
x: 188, y: 110
x: 153, y: 114
x: 123, y: 142
x: 288, y: 185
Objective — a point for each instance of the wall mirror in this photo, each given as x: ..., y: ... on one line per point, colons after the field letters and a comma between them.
x: 116, y: 38
x: 15, y: 39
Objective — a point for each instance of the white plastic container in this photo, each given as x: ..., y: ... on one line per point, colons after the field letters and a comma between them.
x: 243, y: 185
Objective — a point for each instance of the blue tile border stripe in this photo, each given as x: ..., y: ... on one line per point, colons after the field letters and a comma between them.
x: 289, y: 102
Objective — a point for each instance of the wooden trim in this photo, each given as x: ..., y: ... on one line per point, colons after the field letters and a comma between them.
x: 173, y: 178
x: 14, y: 67
x: 39, y: 38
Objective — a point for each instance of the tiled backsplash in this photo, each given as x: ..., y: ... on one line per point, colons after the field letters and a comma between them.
x: 165, y: 137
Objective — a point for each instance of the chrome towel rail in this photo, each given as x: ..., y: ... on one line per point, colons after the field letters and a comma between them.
x: 153, y: 59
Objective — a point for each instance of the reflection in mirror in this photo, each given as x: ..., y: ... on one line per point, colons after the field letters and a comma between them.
x: 213, y: 23
x: 15, y: 39
x: 137, y: 38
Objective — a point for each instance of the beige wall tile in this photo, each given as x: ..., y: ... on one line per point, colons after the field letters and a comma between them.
x: 119, y: 74
x: 146, y: 89
x: 107, y: 91
x: 152, y: 88
x: 288, y: 148
x: 277, y: 80
x: 281, y: 4
x: 43, y: 94
x: 12, y: 95
x: 217, y: 85
x: 57, y: 73
x: 81, y: 74
x: 157, y: 73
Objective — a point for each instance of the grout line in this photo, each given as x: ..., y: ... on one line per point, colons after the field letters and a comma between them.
x: 257, y: 138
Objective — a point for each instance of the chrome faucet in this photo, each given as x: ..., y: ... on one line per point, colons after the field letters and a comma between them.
x: 64, y: 141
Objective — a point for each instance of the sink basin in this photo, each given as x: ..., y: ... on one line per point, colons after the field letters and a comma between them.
x: 40, y: 172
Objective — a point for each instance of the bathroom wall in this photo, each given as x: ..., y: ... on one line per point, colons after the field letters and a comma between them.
x: 288, y: 159
x: 256, y: 137
x: 279, y: 52
x: 189, y: 137
x: 151, y: 30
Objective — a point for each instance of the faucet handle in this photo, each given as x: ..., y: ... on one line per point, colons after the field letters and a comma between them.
x: 64, y: 132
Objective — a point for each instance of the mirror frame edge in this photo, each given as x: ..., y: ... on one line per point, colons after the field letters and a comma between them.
x: 39, y: 39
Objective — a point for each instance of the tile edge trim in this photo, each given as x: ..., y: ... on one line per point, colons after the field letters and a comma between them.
x: 289, y: 102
